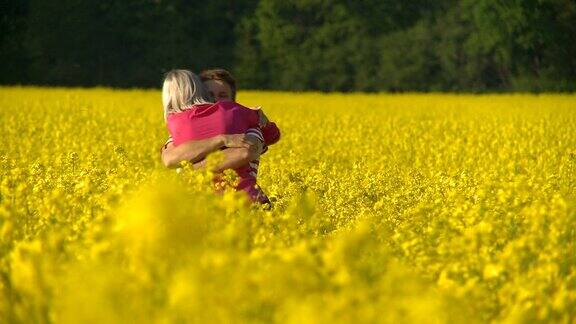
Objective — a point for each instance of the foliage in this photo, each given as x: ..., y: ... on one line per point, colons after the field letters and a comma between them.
x: 326, y: 45
x: 387, y: 208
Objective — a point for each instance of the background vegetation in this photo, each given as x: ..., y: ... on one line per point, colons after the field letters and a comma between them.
x: 328, y: 45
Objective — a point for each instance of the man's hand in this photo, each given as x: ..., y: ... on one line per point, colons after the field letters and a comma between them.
x: 240, y: 150
x: 238, y: 140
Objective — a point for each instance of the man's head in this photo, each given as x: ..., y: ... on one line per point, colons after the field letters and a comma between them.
x: 220, y: 83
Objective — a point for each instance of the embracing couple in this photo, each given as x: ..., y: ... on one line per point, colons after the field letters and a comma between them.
x: 202, y: 117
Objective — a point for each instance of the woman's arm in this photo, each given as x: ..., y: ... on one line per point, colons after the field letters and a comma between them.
x: 195, y: 151
x: 270, y: 131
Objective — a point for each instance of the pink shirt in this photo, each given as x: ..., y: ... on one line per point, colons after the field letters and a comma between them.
x: 223, y: 117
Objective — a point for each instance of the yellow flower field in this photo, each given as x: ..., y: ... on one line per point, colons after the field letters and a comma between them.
x: 387, y: 208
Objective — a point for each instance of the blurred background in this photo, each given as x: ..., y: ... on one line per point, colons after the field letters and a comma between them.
x: 326, y: 45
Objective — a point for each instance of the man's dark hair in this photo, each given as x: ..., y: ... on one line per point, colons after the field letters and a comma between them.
x: 220, y: 75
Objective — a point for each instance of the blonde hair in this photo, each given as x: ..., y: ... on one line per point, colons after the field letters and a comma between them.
x: 182, y: 89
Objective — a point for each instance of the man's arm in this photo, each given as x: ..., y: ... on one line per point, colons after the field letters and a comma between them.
x: 238, y: 157
x: 195, y: 151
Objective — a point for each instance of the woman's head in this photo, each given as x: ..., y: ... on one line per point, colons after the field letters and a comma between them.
x: 182, y: 89
x: 220, y: 83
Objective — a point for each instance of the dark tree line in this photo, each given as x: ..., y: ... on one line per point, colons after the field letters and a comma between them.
x: 328, y: 45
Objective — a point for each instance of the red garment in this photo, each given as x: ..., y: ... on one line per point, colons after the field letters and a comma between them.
x: 271, y: 133
x: 224, y: 117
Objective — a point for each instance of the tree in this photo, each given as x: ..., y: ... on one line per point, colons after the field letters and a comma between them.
x: 13, y: 54
x: 533, y: 41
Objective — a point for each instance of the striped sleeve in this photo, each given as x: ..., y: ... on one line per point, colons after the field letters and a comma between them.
x: 256, y: 132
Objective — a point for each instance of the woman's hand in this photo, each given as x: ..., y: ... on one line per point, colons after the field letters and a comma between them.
x: 263, y: 119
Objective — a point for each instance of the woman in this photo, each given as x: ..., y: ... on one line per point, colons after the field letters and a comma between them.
x: 190, y: 116
x: 240, y: 148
